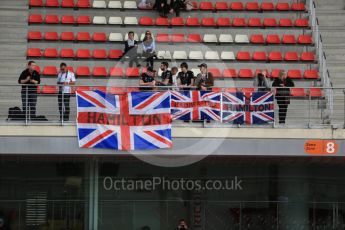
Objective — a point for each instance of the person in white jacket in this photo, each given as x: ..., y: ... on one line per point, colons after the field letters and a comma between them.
x: 149, y: 48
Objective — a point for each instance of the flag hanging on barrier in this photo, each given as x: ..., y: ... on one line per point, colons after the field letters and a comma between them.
x: 129, y: 121
x: 195, y: 105
x: 248, y: 108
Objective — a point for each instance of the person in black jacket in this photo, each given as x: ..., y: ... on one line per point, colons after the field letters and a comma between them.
x: 176, y: 6
x: 185, y: 78
x: 163, y: 7
x: 283, y: 94
x: 131, y: 49
x: 29, y: 79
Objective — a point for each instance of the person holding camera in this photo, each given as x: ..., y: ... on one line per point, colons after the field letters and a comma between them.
x: 261, y: 82
x: 182, y: 225
x: 65, y: 79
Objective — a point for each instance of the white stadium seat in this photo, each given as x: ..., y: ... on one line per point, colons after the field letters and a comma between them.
x: 227, y: 55
x: 180, y: 55
x: 196, y: 71
x: 210, y: 38
x: 130, y: 5
x: 101, y: 20
x: 99, y: 4
x: 196, y: 55
x: 241, y: 38
x: 131, y: 21
x: 211, y: 55
x: 164, y: 54
x: 115, y: 21
x: 115, y: 37
x: 225, y: 38
x: 115, y: 5
x: 135, y: 36
x: 142, y: 36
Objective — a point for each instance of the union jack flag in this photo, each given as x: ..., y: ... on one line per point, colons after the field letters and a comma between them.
x: 195, y: 105
x: 129, y: 121
x: 249, y: 107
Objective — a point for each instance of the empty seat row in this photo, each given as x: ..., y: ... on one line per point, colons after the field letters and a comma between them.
x: 70, y: 53
x: 175, y: 38
x: 175, y: 21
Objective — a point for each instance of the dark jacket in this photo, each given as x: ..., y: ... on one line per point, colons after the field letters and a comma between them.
x: 34, y: 75
x: 207, y: 81
x: 283, y: 94
x: 129, y: 48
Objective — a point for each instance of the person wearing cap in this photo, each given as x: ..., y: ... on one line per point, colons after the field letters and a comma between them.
x: 147, y: 79
x: 149, y: 48
x: 204, y: 80
x: 185, y: 78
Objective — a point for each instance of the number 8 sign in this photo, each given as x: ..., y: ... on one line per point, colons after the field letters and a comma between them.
x: 321, y: 147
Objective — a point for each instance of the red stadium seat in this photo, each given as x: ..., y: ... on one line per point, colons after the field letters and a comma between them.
x: 67, y: 36
x: 115, y: 54
x: 267, y: 6
x: 315, y: 92
x: 298, y: 6
x: 83, y: 20
x: 297, y: 92
x: 70, y: 69
x: 83, y: 88
x: 50, y: 71
x: 192, y: 22
x: 195, y: 5
x: 254, y: 22
x: 221, y: 6
x: 257, y: 39
x: 146, y: 21
x: 132, y: 72
x: 51, y: 19
x: 83, y: 4
x: 37, y: 68
x: 177, y: 21
x: 178, y: 38
x: 206, y: 6
x: 285, y: 22
x: 35, y: 18
x: 247, y: 90
x: 83, y: 71
x: 291, y: 56
x: 289, y: 39
x: 116, y: 72
x: 282, y: 6
x: 99, y: 71
x: 236, y: 6
x: 275, y: 73
x: 67, y: 3
x: 270, y: 22
x: 50, y: 53
x: 194, y: 38
x: 294, y: 73
x: 52, y: 3
x: 51, y: 36
x: 67, y: 53
x: 229, y: 73
x: 243, y: 56
x: 259, y: 56
x: 99, y: 54
x: 245, y: 73
x: 252, y: 6
x: 49, y: 89
x: 223, y: 22
x: 215, y: 72
x: 34, y: 35
x: 307, y: 56
x: 273, y: 39
x: 36, y: 3
x: 83, y: 36
x: 34, y: 52
x: 83, y: 54
x: 208, y: 22
x: 305, y: 39
x: 67, y: 19
x: 311, y: 74
x: 99, y: 37
x: 162, y: 22
x: 302, y: 22
x: 162, y: 38
x: 275, y: 56
x: 239, y: 22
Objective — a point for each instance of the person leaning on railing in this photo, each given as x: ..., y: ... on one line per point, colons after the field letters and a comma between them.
x: 29, y: 79
x: 147, y: 79
x: 261, y: 82
x: 204, y: 80
x: 283, y: 84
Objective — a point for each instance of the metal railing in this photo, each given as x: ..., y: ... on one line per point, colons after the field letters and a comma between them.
x: 308, y: 107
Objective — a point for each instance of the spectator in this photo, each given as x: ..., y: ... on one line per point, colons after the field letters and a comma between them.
x: 204, y: 80
x: 145, y: 5
x: 185, y: 78
x: 163, y: 7
x: 148, y: 79
x: 283, y: 94
x: 261, y: 82
x: 176, y: 6
x: 174, y: 73
x: 149, y: 48
x: 166, y: 75
x: 182, y: 225
x: 131, y: 49
x: 65, y: 79
x: 30, y: 78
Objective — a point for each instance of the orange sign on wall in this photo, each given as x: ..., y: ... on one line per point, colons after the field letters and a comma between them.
x: 321, y: 147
